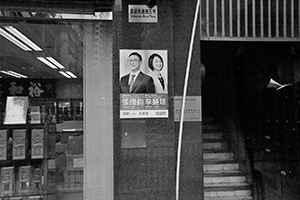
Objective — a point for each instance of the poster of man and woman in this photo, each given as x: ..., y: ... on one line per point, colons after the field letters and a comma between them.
x: 143, y: 83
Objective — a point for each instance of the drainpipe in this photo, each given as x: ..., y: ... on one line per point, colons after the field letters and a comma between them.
x: 184, y: 96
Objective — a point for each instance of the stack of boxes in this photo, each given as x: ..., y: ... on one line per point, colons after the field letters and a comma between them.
x: 74, y: 169
x: 35, y: 115
x: 19, y: 180
x: 19, y: 144
x: 26, y: 147
x: 37, y: 144
x: 73, y: 173
x: 7, y: 181
x: 3, y: 144
x: 23, y: 180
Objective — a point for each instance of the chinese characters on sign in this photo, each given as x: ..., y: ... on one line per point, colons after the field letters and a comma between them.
x: 35, y: 89
x: 144, y: 106
x: 30, y: 88
x: 192, y: 111
x: 142, y: 13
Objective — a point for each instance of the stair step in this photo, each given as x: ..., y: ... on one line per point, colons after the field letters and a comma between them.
x: 214, y: 145
x: 211, y: 127
x: 232, y: 190
x: 224, y: 179
x: 223, y: 172
x: 216, y: 151
x: 226, y: 186
x: 215, y: 135
x: 208, y: 119
x: 220, y: 166
x: 209, y: 140
x: 229, y: 198
x: 238, y: 193
x: 217, y: 155
x: 206, y: 131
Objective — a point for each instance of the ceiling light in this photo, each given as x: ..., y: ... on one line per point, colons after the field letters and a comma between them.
x: 17, y: 74
x: 47, y: 62
x: 64, y: 74
x: 55, y: 62
x: 71, y: 74
x: 95, y: 16
x: 14, y: 74
x: 23, y: 38
x: 14, y: 40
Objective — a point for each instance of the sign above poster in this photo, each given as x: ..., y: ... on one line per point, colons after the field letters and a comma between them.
x: 142, y: 14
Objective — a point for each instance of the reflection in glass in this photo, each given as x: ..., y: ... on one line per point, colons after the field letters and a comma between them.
x: 43, y: 62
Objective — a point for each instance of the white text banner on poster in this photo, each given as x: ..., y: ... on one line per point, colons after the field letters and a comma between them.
x: 192, y: 110
x: 144, y: 113
x: 144, y: 106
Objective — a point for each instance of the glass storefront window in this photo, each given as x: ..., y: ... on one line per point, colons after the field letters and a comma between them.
x: 42, y: 98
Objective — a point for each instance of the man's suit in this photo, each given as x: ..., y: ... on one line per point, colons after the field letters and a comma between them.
x: 142, y: 84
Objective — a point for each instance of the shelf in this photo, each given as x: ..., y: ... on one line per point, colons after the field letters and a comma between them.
x: 70, y: 126
x: 28, y: 196
x: 21, y: 126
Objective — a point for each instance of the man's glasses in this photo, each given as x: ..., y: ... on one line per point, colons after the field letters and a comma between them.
x: 132, y: 60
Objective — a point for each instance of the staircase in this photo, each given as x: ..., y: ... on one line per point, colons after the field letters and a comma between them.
x: 222, y: 178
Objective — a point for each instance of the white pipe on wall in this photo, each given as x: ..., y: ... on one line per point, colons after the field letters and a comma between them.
x: 184, y: 96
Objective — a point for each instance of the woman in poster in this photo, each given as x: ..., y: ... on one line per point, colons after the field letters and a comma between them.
x: 156, y: 64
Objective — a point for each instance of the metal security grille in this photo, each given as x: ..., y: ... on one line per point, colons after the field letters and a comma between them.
x: 250, y: 20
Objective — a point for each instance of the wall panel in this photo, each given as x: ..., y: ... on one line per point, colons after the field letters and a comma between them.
x: 149, y: 173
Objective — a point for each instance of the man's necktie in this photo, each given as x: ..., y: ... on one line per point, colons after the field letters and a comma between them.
x: 131, y: 82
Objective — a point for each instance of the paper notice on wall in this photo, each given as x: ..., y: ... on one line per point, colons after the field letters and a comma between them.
x: 192, y: 110
x: 16, y: 110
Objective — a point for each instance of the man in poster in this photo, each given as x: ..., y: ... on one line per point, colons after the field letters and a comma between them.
x: 136, y: 81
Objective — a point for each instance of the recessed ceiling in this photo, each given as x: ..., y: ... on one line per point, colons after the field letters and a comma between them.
x: 60, y: 42
x: 75, y: 6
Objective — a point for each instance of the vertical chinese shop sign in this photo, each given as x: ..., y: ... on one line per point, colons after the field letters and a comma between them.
x: 142, y: 103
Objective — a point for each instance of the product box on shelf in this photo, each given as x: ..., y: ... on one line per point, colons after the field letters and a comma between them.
x: 58, y: 162
x: 35, y: 115
x: 37, y: 143
x: 7, y: 181
x: 55, y: 170
x: 61, y: 147
x: 3, y: 144
x: 16, y: 198
x: 35, y: 198
x: 74, y: 162
x: 19, y: 144
x: 73, y: 179
x: 51, y: 113
x: 51, y: 140
x: 24, y: 180
x: 75, y: 144
x: 37, y: 184
x: 69, y: 128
